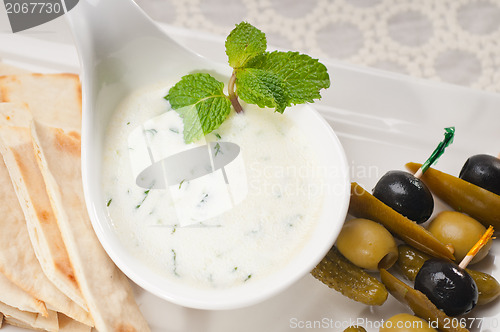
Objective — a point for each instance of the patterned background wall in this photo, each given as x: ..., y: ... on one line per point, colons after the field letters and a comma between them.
x: 455, y: 41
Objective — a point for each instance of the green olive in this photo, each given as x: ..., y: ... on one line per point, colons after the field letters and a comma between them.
x: 367, y: 244
x: 461, y: 232
x: 406, y: 323
x: 355, y: 329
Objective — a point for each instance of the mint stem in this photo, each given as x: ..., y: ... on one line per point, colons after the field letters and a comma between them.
x: 233, y: 97
x: 448, y: 139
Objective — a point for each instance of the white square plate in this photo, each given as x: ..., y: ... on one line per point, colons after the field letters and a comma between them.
x: 383, y: 121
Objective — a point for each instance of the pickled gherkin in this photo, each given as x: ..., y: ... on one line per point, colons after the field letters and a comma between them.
x: 418, y: 303
x: 463, y: 196
x: 411, y: 260
x: 365, y: 205
x: 338, y: 273
x: 487, y: 286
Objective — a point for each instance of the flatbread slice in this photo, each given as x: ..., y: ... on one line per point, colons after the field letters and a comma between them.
x: 106, y: 290
x: 54, y: 99
x: 15, y: 297
x: 20, y: 324
x: 17, y: 150
x: 17, y: 258
x: 30, y: 320
x: 6, y: 69
x: 67, y: 324
x: 15, y: 114
x: 1, y: 320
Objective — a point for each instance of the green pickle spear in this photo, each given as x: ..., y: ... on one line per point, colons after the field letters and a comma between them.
x: 463, y: 196
x: 411, y: 260
x: 418, y: 303
x: 365, y: 205
x: 487, y: 286
x: 338, y: 273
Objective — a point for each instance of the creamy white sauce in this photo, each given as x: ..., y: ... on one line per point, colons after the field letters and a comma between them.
x: 270, y: 215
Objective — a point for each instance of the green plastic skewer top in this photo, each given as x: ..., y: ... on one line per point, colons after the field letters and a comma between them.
x: 449, y: 134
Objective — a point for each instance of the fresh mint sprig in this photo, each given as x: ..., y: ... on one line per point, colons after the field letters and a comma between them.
x: 267, y: 79
x: 200, y: 101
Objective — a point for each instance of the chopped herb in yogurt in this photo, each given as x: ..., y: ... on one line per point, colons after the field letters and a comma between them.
x: 151, y: 131
x: 146, y: 193
x: 217, y: 149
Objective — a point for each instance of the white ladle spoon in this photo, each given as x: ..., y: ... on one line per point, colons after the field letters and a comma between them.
x: 122, y: 50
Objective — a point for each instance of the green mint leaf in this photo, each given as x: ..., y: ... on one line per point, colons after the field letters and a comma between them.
x: 244, y: 43
x: 200, y: 101
x: 261, y: 87
x: 267, y: 79
x: 302, y: 77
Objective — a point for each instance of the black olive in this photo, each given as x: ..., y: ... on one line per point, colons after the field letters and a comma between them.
x: 448, y: 286
x: 484, y: 171
x: 406, y: 194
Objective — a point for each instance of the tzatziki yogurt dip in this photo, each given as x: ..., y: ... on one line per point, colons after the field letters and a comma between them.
x: 226, y: 225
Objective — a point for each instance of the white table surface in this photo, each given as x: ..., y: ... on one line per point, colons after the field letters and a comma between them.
x: 445, y: 53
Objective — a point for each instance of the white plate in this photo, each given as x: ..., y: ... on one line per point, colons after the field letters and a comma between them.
x: 383, y: 120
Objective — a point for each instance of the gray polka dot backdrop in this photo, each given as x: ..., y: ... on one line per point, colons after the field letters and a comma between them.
x: 455, y: 41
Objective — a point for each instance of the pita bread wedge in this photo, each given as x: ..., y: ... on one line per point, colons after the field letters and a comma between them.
x: 15, y: 297
x: 17, y: 258
x: 106, y: 290
x: 15, y: 114
x: 1, y: 320
x: 67, y: 324
x: 30, y: 320
x: 54, y: 99
x: 20, y: 324
x: 17, y: 150
x: 6, y: 69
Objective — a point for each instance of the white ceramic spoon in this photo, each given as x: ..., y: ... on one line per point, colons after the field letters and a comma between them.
x: 122, y: 50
